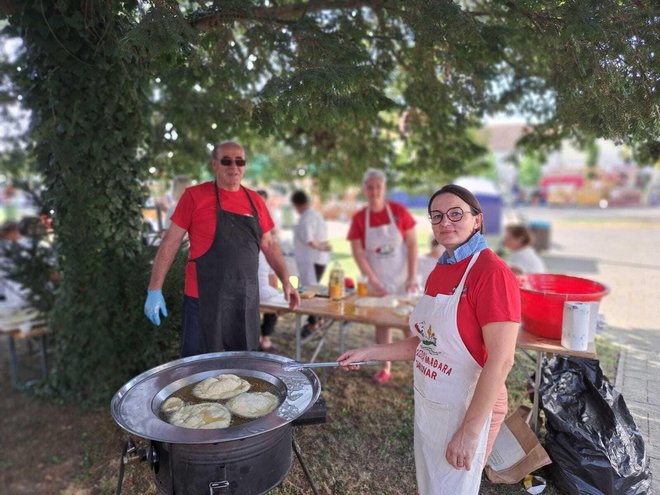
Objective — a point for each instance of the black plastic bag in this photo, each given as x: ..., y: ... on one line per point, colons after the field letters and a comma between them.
x: 592, y: 439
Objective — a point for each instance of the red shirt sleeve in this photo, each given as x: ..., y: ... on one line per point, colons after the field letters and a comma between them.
x: 404, y: 219
x: 356, y: 229
x: 183, y: 212
x: 497, y: 296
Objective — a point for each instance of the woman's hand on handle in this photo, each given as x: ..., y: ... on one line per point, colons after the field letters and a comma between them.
x: 353, y: 356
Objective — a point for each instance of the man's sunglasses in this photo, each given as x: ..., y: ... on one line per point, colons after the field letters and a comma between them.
x: 226, y: 161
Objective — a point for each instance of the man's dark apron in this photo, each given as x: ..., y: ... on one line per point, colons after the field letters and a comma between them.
x: 228, y: 284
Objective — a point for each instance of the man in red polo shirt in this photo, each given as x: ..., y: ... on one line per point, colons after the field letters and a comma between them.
x: 227, y: 225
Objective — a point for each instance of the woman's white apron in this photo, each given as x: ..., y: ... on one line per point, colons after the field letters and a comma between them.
x: 386, y: 253
x: 445, y: 375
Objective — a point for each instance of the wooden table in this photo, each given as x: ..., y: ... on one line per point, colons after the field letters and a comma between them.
x: 345, y: 312
x: 24, y: 326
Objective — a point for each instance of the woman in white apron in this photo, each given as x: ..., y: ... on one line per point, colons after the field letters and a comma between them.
x: 386, y: 257
x: 456, y: 387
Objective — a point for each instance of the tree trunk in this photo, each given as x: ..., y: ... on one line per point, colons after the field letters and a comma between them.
x: 88, y: 118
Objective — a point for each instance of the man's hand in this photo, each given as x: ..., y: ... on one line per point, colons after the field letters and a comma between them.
x: 154, y: 305
x: 291, y: 295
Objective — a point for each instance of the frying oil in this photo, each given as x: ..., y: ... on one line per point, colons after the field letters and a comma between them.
x: 187, y: 396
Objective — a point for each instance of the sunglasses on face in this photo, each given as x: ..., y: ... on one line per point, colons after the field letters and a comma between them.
x: 453, y: 214
x: 227, y: 161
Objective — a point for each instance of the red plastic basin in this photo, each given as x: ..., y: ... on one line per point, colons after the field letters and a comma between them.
x: 543, y: 295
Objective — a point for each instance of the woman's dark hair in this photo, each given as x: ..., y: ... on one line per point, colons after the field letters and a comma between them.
x: 299, y: 198
x: 522, y: 233
x: 464, y: 194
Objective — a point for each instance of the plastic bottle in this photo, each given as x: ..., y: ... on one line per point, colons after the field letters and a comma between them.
x: 336, y: 285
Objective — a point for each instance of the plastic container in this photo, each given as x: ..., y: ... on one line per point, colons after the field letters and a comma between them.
x: 541, y: 230
x: 543, y: 295
x: 492, y: 208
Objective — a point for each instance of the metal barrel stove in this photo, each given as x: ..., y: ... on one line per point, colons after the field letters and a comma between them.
x: 250, y: 458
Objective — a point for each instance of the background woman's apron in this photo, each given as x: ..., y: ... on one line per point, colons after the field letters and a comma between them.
x: 386, y: 253
x: 446, y: 375
x: 228, y: 283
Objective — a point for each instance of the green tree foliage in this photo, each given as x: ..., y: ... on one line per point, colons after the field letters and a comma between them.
x: 339, y: 85
x: 348, y: 85
x: 591, y: 148
x: 87, y: 96
x: 530, y: 169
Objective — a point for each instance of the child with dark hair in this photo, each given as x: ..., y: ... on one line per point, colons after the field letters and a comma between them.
x: 518, y: 239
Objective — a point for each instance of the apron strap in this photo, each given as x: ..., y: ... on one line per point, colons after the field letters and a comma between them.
x: 459, y: 288
x: 367, y: 223
x: 389, y: 213
x: 217, y: 200
x: 254, y: 209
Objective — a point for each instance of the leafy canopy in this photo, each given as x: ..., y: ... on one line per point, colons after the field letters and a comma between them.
x: 345, y: 84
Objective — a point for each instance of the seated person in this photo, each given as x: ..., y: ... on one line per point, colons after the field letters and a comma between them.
x: 522, y: 256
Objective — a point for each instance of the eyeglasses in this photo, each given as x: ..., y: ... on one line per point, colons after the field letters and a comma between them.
x: 227, y: 161
x: 453, y: 214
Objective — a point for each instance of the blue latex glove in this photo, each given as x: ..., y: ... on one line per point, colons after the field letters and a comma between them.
x: 154, y: 305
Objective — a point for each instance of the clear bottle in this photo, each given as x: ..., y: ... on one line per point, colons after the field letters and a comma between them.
x: 336, y: 285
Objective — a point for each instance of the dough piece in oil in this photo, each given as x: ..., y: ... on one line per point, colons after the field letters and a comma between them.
x: 224, y: 386
x: 205, y: 415
x: 171, y: 405
x: 253, y: 404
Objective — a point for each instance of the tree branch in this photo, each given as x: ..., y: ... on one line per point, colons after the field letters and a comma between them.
x: 282, y: 14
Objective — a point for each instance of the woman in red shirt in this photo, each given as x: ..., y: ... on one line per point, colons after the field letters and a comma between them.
x: 384, y: 246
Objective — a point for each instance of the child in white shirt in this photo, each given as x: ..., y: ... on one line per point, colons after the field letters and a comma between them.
x: 426, y: 262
